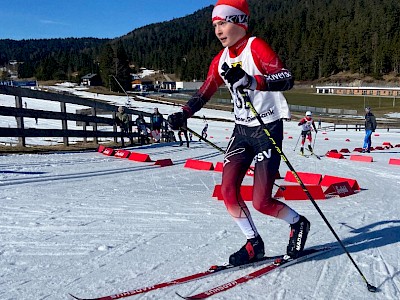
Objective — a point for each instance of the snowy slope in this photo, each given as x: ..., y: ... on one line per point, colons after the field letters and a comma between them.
x: 88, y: 224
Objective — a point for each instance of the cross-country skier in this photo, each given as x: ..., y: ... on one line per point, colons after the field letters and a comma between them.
x: 307, y: 125
x: 255, y: 68
x: 204, y: 132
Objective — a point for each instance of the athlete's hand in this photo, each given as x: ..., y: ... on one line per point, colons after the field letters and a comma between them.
x: 177, y: 120
x: 239, y: 79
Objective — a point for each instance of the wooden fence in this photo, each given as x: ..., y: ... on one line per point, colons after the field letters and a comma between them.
x: 82, y: 117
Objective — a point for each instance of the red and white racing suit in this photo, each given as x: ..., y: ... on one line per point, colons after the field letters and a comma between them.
x: 248, y: 141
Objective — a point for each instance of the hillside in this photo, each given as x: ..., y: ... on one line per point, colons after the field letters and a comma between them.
x: 316, y: 39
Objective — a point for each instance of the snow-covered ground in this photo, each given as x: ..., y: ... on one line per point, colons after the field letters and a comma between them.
x: 91, y: 225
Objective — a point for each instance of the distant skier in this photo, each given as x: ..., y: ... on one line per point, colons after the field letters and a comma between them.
x: 308, y: 125
x: 370, y: 126
x: 204, y: 132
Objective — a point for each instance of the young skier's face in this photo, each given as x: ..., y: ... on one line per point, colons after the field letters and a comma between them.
x: 228, y: 33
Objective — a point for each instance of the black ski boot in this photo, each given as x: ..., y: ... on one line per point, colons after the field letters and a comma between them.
x: 298, y: 237
x: 310, y: 148
x: 251, y: 251
x: 301, y: 150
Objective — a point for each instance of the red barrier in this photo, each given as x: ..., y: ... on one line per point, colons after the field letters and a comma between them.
x: 199, y: 165
x: 219, y: 167
x: 122, y: 153
x: 217, y: 192
x: 387, y: 144
x: 108, y: 151
x: 334, y: 155
x: 295, y: 192
x: 358, y: 149
x: 342, y: 189
x: 394, y: 161
x: 307, y: 178
x: 101, y: 148
x: 327, y: 180
x: 333, y: 150
x: 361, y: 158
x: 163, y: 162
x: 344, y: 150
x: 246, y: 191
x: 139, y: 157
x: 397, y: 146
x: 378, y: 148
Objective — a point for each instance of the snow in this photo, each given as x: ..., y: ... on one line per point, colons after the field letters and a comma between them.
x: 91, y: 225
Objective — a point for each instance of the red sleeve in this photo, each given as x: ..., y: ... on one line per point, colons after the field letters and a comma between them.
x: 276, y: 77
x: 267, y: 61
x: 213, y: 80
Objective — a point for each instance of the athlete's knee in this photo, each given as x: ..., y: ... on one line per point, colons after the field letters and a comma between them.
x: 263, y: 205
x: 229, y: 193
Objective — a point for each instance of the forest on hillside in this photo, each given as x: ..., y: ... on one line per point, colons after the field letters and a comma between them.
x: 315, y: 38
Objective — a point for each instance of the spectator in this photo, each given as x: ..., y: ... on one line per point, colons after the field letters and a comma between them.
x: 370, y: 126
x: 156, y: 124
x: 122, y: 120
x: 142, y: 130
x: 185, y: 133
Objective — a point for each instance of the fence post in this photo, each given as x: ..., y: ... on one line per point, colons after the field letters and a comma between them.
x: 94, y: 113
x: 64, y: 122
x: 115, y: 129
x: 20, y: 121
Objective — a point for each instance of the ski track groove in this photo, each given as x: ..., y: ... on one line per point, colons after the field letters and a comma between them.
x: 321, y: 279
x: 346, y: 272
x: 390, y: 275
x: 47, y: 178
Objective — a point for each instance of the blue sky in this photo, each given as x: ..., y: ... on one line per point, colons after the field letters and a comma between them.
x: 37, y: 19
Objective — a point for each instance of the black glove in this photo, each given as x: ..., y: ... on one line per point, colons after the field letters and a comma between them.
x: 238, y: 78
x: 177, y: 120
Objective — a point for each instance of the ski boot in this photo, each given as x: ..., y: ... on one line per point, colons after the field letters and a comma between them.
x: 251, y: 251
x: 298, y: 237
x: 302, y: 151
x: 310, y: 148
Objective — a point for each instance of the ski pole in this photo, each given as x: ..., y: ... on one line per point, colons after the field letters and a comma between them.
x: 218, y: 148
x: 297, y: 143
x: 315, y: 138
x: 247, y: 100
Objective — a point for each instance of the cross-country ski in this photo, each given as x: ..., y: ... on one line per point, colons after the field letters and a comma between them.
x: 279, y: 263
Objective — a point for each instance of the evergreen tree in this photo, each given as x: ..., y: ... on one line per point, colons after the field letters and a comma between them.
x: 106, y: 66
x: 122, y: 70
